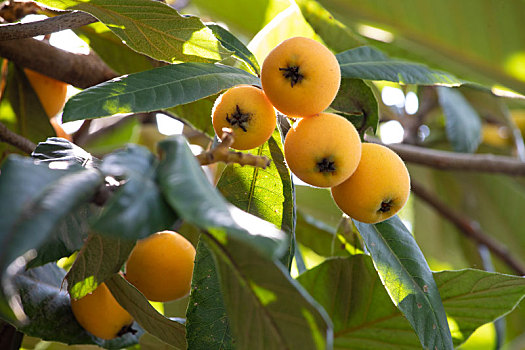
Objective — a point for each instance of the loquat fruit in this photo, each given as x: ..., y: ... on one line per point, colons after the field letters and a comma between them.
x: 322, y: 150
x: 301, y: 77
x: 246, y: 110
x: 378, y: 188
x: 161, y: 266
x: 101, y: 315
x: 51, y: 92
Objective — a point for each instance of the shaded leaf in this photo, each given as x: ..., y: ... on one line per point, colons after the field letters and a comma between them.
x: 265, y: 193
x: 362, y: 312
x: 137, y: 209
x: 229, y: 41
x: 356, y: 102
x: 192, y: 196
x: 408, y: 280
x: 99, y: 258
x: 29, y: 195
x: 49, y: 313
x: 152, y: 28
x: 169, y: 331
x: 371, y: 64
x: 335, y: 34
x: 59, y: 149
x: 283, y: 315
x: 155, y: 89
x: 463, y: 125
x: 319, y: 204
x: 207, y: 325
x: 476, y: 40
x: 197, y: 114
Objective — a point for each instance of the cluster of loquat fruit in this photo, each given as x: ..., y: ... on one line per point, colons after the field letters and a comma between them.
x: 300, y: 78
x: 159, y: 266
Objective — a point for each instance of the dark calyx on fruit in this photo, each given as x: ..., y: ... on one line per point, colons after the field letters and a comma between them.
x: 326, y: 165
x: 292, y: 73
x: 239, y: 119
x: 385, y: 206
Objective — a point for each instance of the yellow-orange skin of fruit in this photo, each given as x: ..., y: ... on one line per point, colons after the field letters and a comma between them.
x: 381, y: 177
x: 321, y: 77
x: 58, y: 129
x: 100, y: 314
x: 252, y: 103
x: 51, y: 92
x: 322, y: 136
x: 161, y: 266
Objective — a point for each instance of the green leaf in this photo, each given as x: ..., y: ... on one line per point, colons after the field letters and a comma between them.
x: 356, y: 102
x: 197, y: 114
x: 48, y: 308
x: 265, y: 193
x: 207, y: 325
x: 476, y: 40
x: 319, y: 204
x: 192, y: 196
x: 29, y: 195
x: 463, y: 124
x: 99, y: 258
x: 155, y: 89
x: 229, y: 41
x: 363, y: 315
x: 137, y: 209
x: 59, y: 149
x: 335, y: 34
x: 371, y: 64
x: 68, y: 236
x: 465, y: 294
x: 112, y: 50
x: 152, y: 28
x: 169, y: 331
x: 283, y: 315
x: 408, y: 279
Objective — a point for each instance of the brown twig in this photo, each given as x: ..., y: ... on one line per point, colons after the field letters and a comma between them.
x: 469, y: 228
x: 221, y: 153
x: 16, y: 140
x: 49, y: 25
x: 76, y: 69
x: 445, y: 160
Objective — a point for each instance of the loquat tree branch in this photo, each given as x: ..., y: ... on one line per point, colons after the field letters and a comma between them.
x: 468, y: 227
x: 445, y: 160
x: 49, y: 25
x: 78, y: 70
x: 221, y: 153
x: 16, y: 140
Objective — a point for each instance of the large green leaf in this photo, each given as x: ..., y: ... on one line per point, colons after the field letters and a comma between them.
x: 112, y: 50
x: 363, y: 315
x: 408, y: 280
x: 170, y: 331
x: 473, y: 298
x: 29, y: 195
x: 197, y: 114
x: 137, y: 209
x: 463, y: 124
x: 155, y: 89
x: 368, y: 63
x: 265, y: 193
x: 365, y: 318
x: 229, y: 41
x: 191, y: 195
x: 356, y: 101
x: 207, y: 325
x: 48, y: 308
x: 478, y: 40
x: 282, y: 314
x: 319, y: 204
x: 152, y: 28
x: 335, y: 34
x: 99, y: 258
